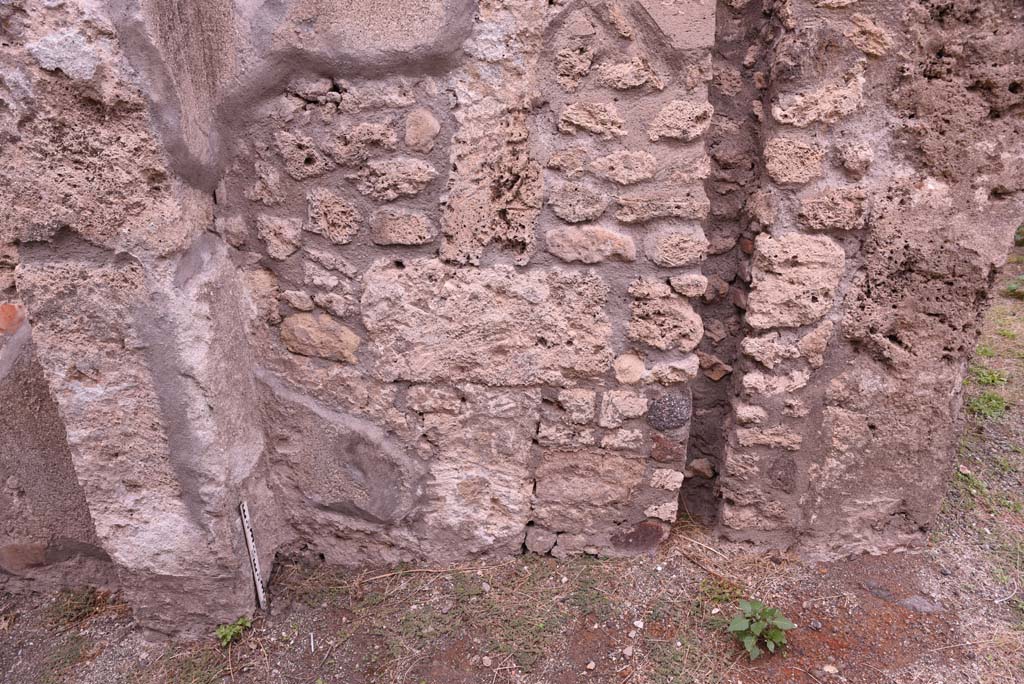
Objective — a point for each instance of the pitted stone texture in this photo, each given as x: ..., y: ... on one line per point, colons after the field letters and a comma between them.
x: 601, y: 119
x: 428, y: 322
x: 590, y: 244
x: 670, y: 411
x: 676, y: 247
x: 390, y: 226
x: 688, y: 203
x: 388, y: 179
x: 578, y: 202
x: 332, y: 216
x: 681, y: 120
x: 301, y: 157
x: 625, y: 167
x: 835, y: 209
x: 794, y: 279
x: 789, y: 160
x: 665, y: 323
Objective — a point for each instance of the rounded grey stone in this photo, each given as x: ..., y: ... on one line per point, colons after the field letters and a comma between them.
x: 670, y: 411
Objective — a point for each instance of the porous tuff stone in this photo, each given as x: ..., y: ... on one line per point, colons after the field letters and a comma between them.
x: 589, y: 244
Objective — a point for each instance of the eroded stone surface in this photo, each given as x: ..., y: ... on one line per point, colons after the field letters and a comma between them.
x: 431, y: 322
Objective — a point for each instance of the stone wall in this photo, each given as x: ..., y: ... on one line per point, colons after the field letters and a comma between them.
x: 429, y: 279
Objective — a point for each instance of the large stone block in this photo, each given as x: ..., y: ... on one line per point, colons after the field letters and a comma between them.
x: 428, y: 322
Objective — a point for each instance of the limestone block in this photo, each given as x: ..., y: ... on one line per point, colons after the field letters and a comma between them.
x: 590, y: 244
x: 621, y: 405
x: 574, y: 487
x: 428, y: 322
x: 687, y: 203
x: 282, y: 236
x: 319, y: 335
x: 578, y: 405
x: 794, y: 279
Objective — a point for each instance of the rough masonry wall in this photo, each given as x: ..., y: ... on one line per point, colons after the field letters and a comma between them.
x: 431, y: 279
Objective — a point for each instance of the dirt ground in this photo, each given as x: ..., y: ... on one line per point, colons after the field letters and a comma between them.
x: 951, y: 612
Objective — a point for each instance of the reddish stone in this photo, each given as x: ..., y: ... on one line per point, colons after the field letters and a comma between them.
x: 644, y: 536
x: 11, y: 317
x: 665, y: 450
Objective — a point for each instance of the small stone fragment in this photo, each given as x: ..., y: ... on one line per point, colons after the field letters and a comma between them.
x: 629, y: 369
x: 298, y: 300
x: 828, y: 104
x: 812, y: 345
x: 590, y: 244
x: 354, y: 146
x: 856, y: 158
x: 700, y: 467
x: 538, y: 540
x: 332, y: 216
x: 281, y: 235
x: 666, y: 511
x: 714, y: 368
x: 681, y: 120
x: 232, y: 229
x: 320, y: 336
x: 625, y: 167
x: 795, y: 277
x: 333, y: 303
x: 571, y: 161
x: 646, y: 287
x: 392, y: 226
x: 789, y: 160
x: 601, y: 119
x: 577, y: 202
x: 689, y: 284
x: 387, y: 179
x: 664, y: 478
x: 421, y: 128
x: 749, y: 414
x: 631, y: 440
x: 676, y: 247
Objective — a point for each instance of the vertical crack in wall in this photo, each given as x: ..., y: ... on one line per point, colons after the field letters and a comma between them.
x: 734, y: 147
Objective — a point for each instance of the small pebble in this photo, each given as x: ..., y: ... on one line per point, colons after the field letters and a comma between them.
x: 830, y: 669
x: 486, y: 661
x: 632, y: 634
x: 628, y: 652
x: 815, y: 625
x: 639, y: 624
x: 591, y: 665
